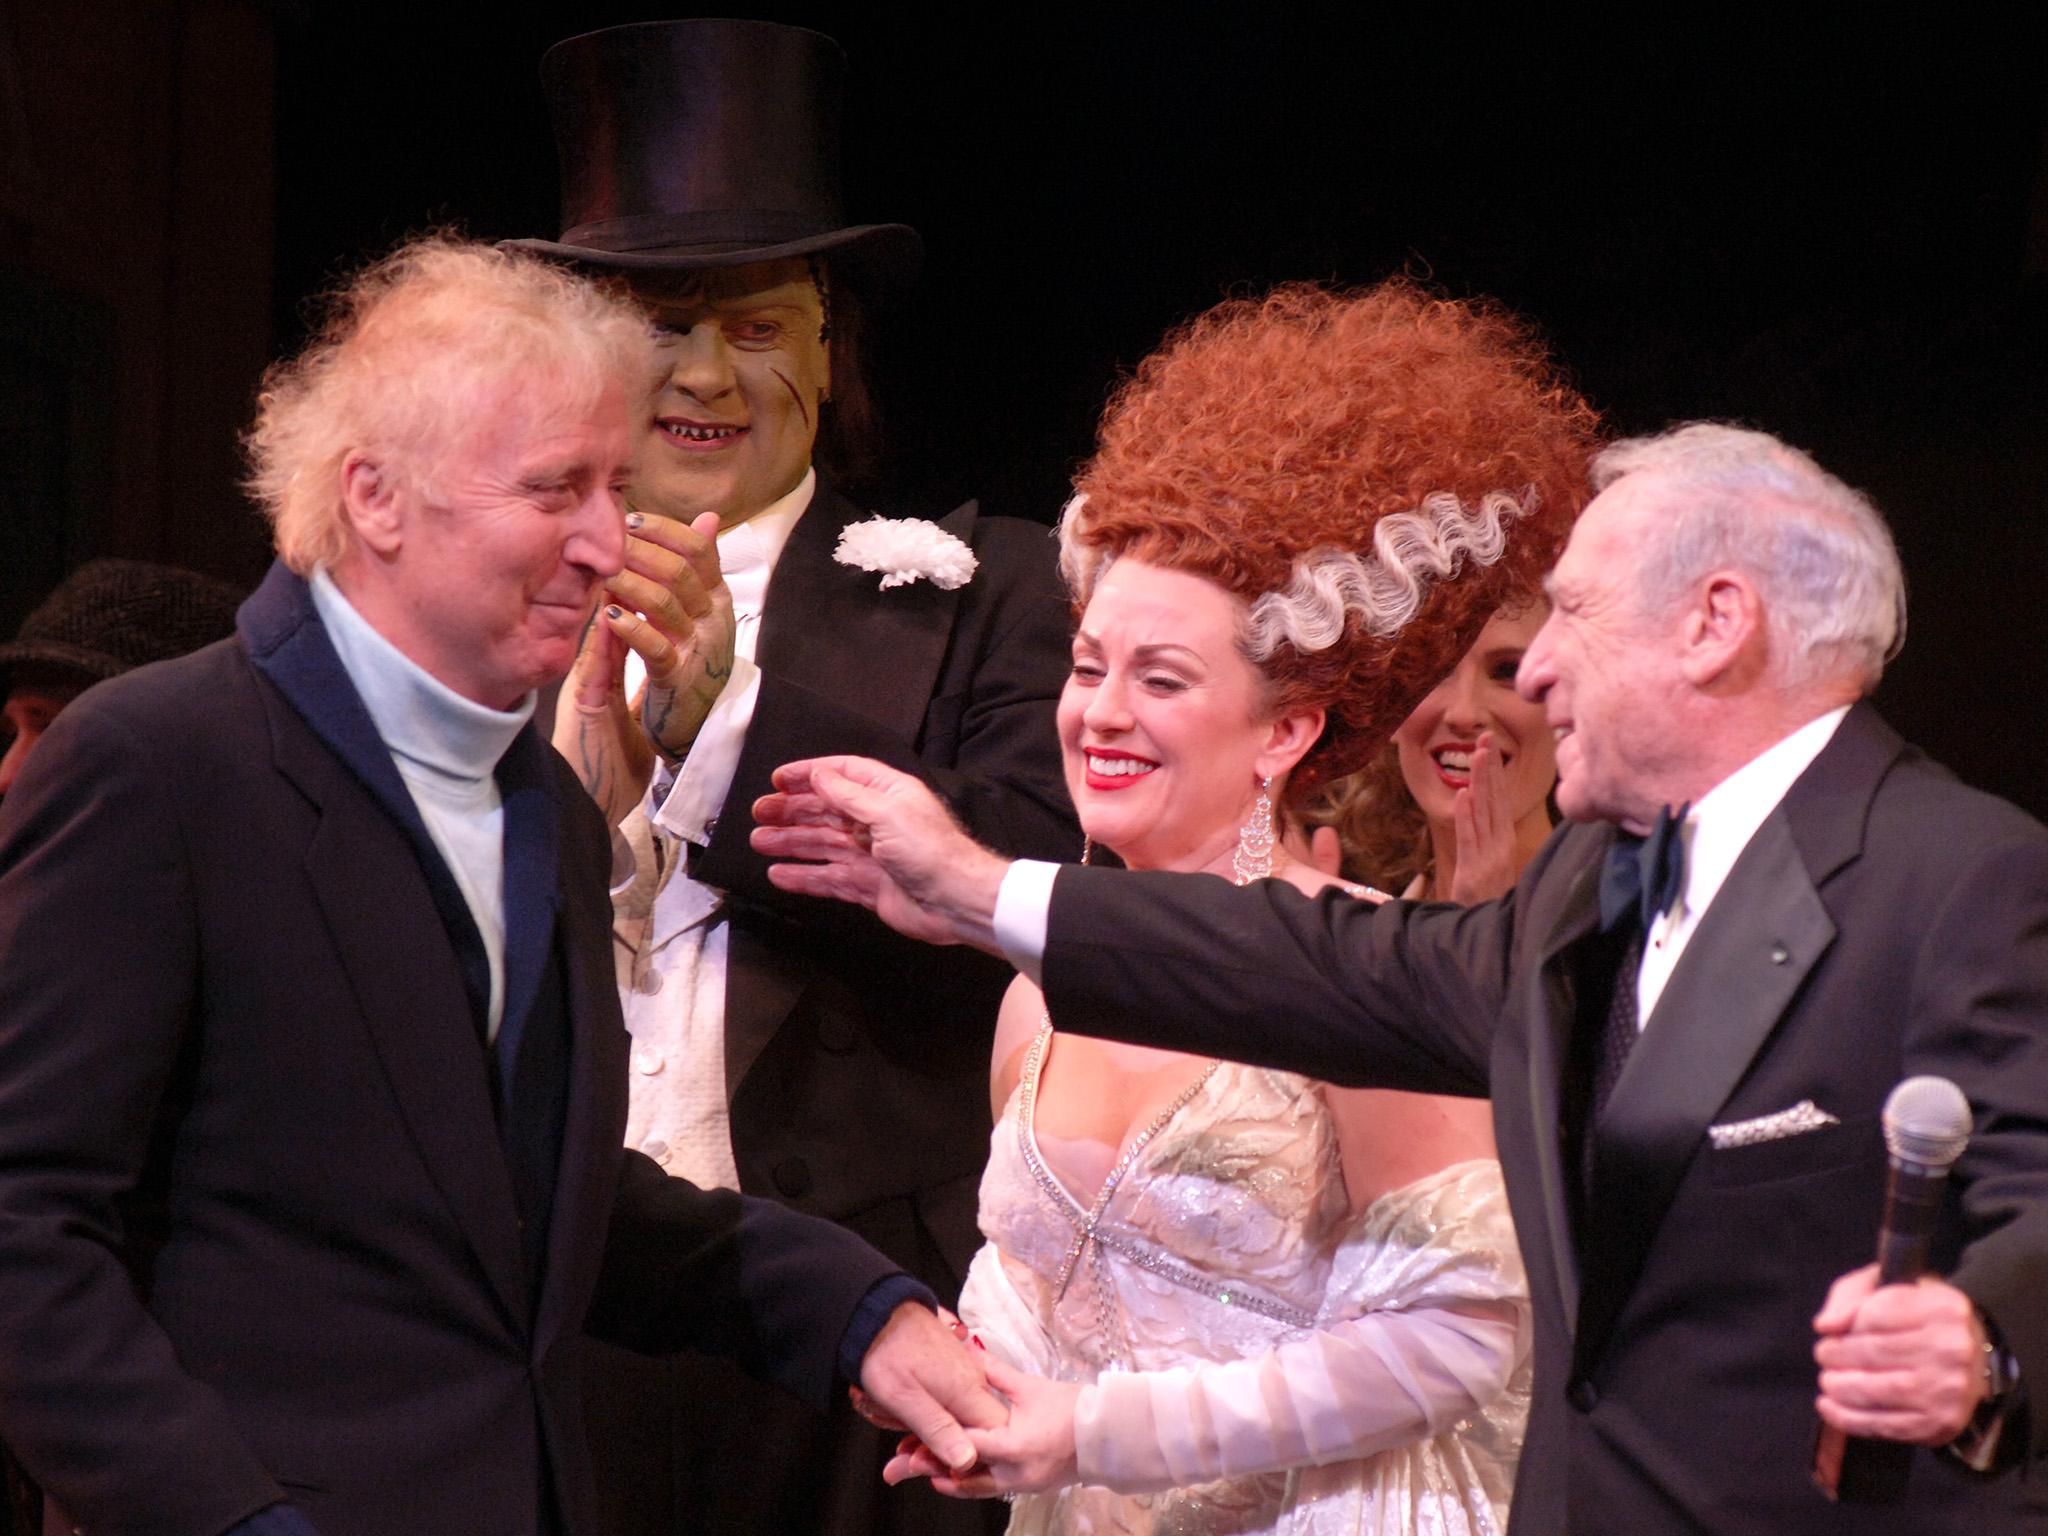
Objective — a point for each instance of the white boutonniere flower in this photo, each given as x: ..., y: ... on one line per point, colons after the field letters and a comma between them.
x: 905, y: 549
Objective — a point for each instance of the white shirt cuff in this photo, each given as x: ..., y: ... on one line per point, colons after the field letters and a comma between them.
x: 690, y: 810
x: 1023, y: 902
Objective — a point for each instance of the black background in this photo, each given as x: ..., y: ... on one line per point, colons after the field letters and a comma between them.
x: 1837, y: 232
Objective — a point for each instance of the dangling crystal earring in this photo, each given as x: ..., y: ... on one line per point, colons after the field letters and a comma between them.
x: 1254, y: 857
x: 1087, y: 847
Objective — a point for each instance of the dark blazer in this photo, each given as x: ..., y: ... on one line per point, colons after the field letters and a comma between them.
x: 857, y: 1063
x: 258, y: 1234
x: 1884, y: 921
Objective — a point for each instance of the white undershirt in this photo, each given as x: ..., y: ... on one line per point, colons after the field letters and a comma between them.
x: 1716, y: 831
x: 675, y: 1007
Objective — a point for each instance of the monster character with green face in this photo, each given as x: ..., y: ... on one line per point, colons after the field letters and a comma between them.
x: 779, y: 1048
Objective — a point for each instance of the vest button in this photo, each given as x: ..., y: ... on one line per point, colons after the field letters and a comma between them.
x: 1583, y: 1395
x: 793, y: 1178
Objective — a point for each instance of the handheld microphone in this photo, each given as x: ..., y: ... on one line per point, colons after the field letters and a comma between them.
x: 1926, y: 1127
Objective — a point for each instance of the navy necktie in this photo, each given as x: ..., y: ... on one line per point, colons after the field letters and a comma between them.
x: 1644, y: 875
x: 1642, y: 878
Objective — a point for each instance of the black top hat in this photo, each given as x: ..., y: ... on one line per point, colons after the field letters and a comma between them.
x: 706, y: 144
x: 110, y: 615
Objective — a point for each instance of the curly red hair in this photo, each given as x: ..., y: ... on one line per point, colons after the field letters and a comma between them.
x: 1267, y: 428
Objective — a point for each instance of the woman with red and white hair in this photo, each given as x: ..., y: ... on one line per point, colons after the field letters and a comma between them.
x: 1223, y: 1298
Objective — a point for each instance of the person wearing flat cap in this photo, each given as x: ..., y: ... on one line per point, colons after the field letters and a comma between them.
x: 782, y: 1047
x: 105, y: 618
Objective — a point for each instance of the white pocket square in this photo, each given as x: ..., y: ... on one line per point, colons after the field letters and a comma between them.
x: 1801, y: 1118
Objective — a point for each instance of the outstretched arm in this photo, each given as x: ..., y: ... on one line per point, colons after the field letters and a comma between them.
x: 878, y: 837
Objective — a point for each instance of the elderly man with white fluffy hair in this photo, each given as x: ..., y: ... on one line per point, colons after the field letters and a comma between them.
x: 312, y: 1075
x: 1766, y: 910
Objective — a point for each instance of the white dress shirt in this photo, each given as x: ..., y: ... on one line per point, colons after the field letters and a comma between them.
x: 1716, y: 831
x: 675, y: 1011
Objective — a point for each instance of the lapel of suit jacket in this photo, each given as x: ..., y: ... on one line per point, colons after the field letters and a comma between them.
x: 530, y: 887
x: 593, y: 1132
x: 369, y: 868
x: 1553, y: 1011
x: 830, y: 628
x: 1741, y: 970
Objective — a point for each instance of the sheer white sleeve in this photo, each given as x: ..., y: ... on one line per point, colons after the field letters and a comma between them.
x: 1426, y: 1325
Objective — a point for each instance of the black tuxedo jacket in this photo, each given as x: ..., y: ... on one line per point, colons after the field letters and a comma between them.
x: 857, y: 1063
x: 259, y: 1238
x: 1884, y: 921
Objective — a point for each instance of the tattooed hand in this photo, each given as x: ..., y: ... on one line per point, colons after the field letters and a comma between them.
x: 670, y: 604
x: 686, y: 636
x: 595, y: 729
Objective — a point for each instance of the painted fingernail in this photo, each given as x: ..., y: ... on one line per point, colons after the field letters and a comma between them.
x: 614, y: 611
x: 633, y: 519
x: 975, y: 1338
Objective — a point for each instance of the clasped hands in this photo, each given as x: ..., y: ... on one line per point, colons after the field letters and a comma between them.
x: 1025, y: 1443
x: 670, y: 605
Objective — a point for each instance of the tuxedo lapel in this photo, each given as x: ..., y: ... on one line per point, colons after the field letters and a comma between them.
x: 1554, y: 1011
x: 371, y: 866
x: 1740, y: 972
x: 763, y: 980
x: 830, y: 628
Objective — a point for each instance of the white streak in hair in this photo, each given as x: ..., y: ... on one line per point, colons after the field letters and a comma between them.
x: 1330, y: 587
x: 1080, y: 563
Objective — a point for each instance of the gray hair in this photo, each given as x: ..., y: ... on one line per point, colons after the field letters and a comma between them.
x: 407, y: 363
x: 1818, y: 551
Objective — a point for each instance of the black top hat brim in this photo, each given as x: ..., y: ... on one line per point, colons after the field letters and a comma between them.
x: 873, y: 257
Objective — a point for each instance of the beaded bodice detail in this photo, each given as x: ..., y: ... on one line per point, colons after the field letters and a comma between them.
x: 1218, y: 1217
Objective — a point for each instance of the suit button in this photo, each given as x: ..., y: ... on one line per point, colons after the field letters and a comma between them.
x: 838, y: 1035
x: 793, y: 1177
x: 1583, y: 1395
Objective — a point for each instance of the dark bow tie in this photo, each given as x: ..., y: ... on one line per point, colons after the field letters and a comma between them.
x: 1644, y: 874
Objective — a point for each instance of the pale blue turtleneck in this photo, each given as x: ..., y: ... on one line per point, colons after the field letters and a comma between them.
x: 446, y: 749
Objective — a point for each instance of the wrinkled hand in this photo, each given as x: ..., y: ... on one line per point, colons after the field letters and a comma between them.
x: 918, y: 1375
x: 1034, y: 1451
x: 1899, y: 1362
x: 881, y: 839
x: 1483, y: 824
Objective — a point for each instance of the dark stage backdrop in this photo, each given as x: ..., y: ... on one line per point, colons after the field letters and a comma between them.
x: 1840, y: 235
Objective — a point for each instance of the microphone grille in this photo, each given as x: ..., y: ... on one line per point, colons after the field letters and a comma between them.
x: 1927, y: 1121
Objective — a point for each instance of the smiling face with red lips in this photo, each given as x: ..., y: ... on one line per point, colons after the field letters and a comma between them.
x: 1164, y: 729
x: 746, y: 371
x: 1435, y: 743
